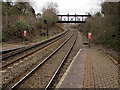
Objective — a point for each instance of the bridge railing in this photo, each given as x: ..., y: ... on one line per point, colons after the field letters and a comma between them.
x: 72, y: 18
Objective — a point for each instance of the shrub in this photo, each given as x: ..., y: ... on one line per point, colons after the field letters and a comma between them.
x: 16, y: 30
x: 104, y: 28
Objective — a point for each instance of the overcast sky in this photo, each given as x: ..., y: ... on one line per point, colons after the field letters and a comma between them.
x: 70, y: 6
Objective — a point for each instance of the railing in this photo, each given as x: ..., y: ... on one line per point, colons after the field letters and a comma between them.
x: 72, y: 18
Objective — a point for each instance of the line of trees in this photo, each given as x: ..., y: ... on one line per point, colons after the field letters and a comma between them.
x: 104, y: 26
x: 20, y: 16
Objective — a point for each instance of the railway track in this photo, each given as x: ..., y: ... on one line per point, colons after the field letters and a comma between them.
x: 12, y: 52
x: 23, y: 66
x: 26, y: 51
x: 49, y: 62
x: 51, y: 82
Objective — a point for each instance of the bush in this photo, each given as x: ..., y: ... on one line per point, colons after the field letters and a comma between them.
x: 104, y: 28
x: 21, y: 26
x: 16, y: 30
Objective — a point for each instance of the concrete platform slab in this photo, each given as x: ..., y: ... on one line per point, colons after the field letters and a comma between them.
x: 74, y: 76
x: 90, y: 68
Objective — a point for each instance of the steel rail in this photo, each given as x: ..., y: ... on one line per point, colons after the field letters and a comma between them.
x: 60, y: 66
x: 40, y: 64
x: 12, y: 52
x: 8, y: 64
x: 9, y: 50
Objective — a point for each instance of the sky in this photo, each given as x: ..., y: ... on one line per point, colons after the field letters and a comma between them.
x: 70, y: 6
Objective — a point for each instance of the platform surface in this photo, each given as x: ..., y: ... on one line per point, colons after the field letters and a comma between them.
x: 90, y: 68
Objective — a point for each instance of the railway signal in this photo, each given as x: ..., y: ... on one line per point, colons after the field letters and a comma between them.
x: 45, y: 22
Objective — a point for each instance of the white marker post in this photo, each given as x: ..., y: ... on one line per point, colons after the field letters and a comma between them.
x: 89, y: 37
x: 25, y: 33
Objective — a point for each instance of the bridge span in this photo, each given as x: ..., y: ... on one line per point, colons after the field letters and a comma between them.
x: 73, y: 18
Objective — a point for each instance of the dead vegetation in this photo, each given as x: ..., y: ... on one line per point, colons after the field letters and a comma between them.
x: 104, y: 26
x: 20, y: 16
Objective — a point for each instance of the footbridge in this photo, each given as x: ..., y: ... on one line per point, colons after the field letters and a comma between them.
x: 72, y: 18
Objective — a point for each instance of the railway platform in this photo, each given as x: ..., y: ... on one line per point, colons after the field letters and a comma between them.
x: 90, y: 68
x: 6, y: 47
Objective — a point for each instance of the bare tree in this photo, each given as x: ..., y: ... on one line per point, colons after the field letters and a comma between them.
x: 50, y: 13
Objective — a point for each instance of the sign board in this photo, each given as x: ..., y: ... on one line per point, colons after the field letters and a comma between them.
x: 89, y: 35
x: 25, y: 33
